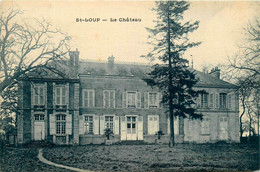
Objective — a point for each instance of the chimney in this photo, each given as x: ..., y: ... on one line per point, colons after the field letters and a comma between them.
x: 74, y: 58
x: 215, y: 72
x: 111, y: 62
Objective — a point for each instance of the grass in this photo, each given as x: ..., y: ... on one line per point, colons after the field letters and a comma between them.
x: 23, y: 159
x: 183, y: 157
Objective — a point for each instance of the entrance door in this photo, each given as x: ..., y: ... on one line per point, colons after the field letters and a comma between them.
x: 39, y: 130
x: 131, y: 127
x: 39, y: 127
x: 223, y: 127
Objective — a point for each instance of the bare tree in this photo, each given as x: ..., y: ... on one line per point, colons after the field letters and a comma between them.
x: 245, y: 68
x: 25, y: 47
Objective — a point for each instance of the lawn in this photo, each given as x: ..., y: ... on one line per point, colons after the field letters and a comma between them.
x: 183, y: 157
x: 23, y: 159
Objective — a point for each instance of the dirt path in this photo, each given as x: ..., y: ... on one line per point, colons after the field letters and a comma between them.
x: 42, y: 159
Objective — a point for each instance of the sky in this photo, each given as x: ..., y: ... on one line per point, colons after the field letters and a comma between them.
x: 220, y: 31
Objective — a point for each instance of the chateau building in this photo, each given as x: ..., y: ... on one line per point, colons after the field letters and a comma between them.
x: 97, y: 95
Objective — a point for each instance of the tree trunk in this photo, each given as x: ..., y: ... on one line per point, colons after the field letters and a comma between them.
x: 241, y: 129
x: 170, y: 84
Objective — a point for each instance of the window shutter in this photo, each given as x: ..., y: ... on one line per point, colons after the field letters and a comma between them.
x: 112, y: 99
x: 45, y: 94
x: 104, y: 99
x: 146, y: 99
x: 102, y: 124
x: 140, y: 128
x: 32, y: 95
x: 138, y: 99
x: 229, y: 99
x: 202, y: 127
x: 160, y: 100
x: 217, y: 101
x: 69, y: 124
x: 176, y: 125
x: 96, y: 124
x: 199, y: 101
x: 54, y: 94
x: 156, y: 123
x: 116, y: 125
x: 123, y: 128
x: 81, y: 124
x: 168, y: 125
x: 52, y: 124
x: 124, y: 99
x: 67, y: 94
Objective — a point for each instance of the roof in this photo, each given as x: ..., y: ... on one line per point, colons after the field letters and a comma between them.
x: 95, y: 68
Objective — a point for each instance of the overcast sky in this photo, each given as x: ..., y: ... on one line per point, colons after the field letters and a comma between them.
x: 220, y: 31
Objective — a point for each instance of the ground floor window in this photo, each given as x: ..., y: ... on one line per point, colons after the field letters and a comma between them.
x: 131, y: 124
x: 60, y: 124
x: 109, y: 122
x: 88, y: 126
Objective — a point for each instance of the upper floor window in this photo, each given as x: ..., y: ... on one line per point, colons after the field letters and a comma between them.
x: 60, y: 95
x: 204, y: 100
x: 39, y: 95
x: 222, y: 100
x: 131, y: 99
x: 60, y: 124
x: 154, y: 100
x: 88, y: 98
x: 109, y: 98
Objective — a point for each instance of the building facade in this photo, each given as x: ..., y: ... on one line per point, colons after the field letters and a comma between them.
x: 101, y: 95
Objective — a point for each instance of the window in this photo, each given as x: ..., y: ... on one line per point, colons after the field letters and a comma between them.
x: 153, y: 100
x: 60, y: 124
x: 204, y: 100
x: 153, y: 124
x: 131, y: 124
x: 60, y: 95
x: 131, y: 99
x: 88, y: 98
x: 211, y: 100
x: 222, y: 100
x: 109, y: 122
x: 88, y: 125
x: 39, y: 117
x: 109, y: 98
x: 205, y: 126
x: 39, y: 95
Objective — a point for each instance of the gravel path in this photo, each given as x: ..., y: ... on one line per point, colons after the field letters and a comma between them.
x: 42, y: 159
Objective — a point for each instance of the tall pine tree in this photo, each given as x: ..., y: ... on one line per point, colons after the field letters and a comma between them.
x: 170, y: 40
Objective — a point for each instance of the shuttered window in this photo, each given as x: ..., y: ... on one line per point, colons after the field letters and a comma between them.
x: 222, y: 100
x: 60, y: 95
x: 204, y: 100
x: 131, y: 99
x: 88, y: 98
x: 109, y: 122
x: 88, y: 124
x: 39, y: 95
x: 60, y: 124
x: 109, y: 98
